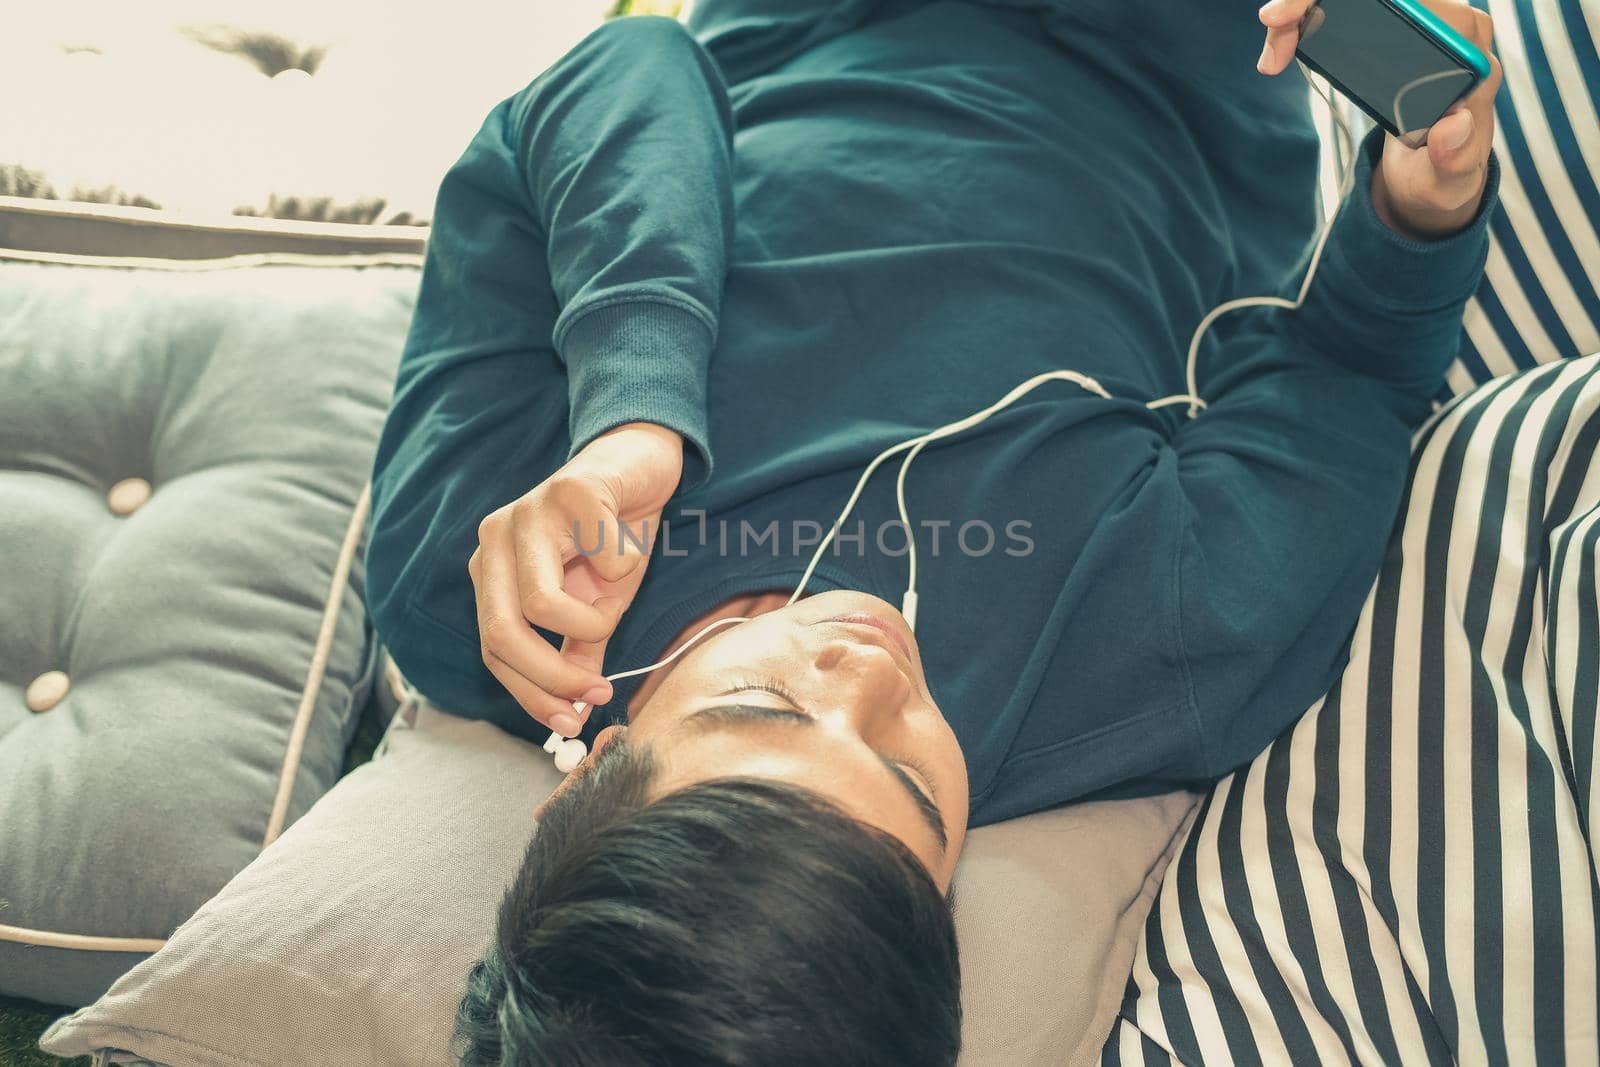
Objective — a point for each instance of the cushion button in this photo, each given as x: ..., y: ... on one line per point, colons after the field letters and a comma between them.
x: 47, y: 690
x: 128, y: 496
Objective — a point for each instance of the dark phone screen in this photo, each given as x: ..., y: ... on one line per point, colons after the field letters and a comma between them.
x: 1375, y: 54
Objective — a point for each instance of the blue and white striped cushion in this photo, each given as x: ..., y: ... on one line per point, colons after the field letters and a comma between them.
x: 1540, y: 298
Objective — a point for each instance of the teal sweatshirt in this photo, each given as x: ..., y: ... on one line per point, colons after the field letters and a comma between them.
x: 799, y: 232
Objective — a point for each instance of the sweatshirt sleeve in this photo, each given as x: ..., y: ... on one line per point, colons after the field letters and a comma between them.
x: 625, y: 150
x: 1287, y: 485
x: 1386, y: 305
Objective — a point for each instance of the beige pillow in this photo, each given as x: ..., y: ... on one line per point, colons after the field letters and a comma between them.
x: 345, y: 943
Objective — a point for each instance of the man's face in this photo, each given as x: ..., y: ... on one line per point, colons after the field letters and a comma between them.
x: 827, y: 694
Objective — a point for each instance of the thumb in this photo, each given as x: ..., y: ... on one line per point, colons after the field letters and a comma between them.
x: 590, y: 654
x: 1449, y: 144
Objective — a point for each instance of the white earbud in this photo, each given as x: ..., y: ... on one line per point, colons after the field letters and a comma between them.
x: 569, y: 752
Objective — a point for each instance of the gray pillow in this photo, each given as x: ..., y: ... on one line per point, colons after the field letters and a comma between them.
x: 346, y: 942
x: 183, y: 461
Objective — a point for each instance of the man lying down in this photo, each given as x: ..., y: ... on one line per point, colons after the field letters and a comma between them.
x: 693, y: 282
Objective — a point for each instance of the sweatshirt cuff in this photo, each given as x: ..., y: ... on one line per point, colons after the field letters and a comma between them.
x: 640, y: 361
x: 1398, y: 271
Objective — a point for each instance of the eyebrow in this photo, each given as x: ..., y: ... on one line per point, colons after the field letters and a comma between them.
x: 744, y: 714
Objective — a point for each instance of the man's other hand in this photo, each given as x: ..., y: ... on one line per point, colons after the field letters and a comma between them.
x: 1430, y: 192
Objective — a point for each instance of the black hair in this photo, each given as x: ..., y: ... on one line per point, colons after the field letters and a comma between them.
x: 739, y: 922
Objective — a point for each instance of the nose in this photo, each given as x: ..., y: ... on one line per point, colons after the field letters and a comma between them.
x: 830, y: 655
x: 845, y: 653
x: 865, y: 679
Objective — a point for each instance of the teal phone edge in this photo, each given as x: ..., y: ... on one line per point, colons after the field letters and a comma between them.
x: 1445, y: 34
x: 1438, y: 32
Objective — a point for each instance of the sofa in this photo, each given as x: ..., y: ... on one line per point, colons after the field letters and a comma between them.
x: 183, y: 454
x: 185, y: 495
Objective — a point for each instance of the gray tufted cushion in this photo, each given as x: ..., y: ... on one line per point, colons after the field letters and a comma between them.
x: 214, y: 638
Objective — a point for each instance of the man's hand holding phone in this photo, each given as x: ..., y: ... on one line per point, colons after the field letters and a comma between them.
x: 529, y: 568
x: 1430, y: 192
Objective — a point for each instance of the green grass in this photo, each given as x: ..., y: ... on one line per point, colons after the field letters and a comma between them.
x: 22, y: 1021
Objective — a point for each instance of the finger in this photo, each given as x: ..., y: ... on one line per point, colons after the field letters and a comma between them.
x: 1475, y: 25
x: 1278, y: 50
x: 1478, y: 27
x: 1458, y: 155
x: 1449, y: 148
x: 623, y: 556
x: 505, y: 634
x: 541, y: 533
x: 1459, y: 143
x: 551, y: 712
x: 588, y: 655
x: 1276, y: 13
x: 612, y: 603
x: 1481, y: 100
x: 1282, y: 19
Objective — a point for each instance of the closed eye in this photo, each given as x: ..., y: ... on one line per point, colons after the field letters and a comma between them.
x: 761, y: 687
x: 925, y: 805
x: 738, y: 714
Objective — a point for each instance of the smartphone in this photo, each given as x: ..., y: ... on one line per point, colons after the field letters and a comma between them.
x: 1398, y: 61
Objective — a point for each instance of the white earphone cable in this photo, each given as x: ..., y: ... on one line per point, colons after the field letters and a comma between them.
x: 1344, y: 159
x: 570, y: 751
